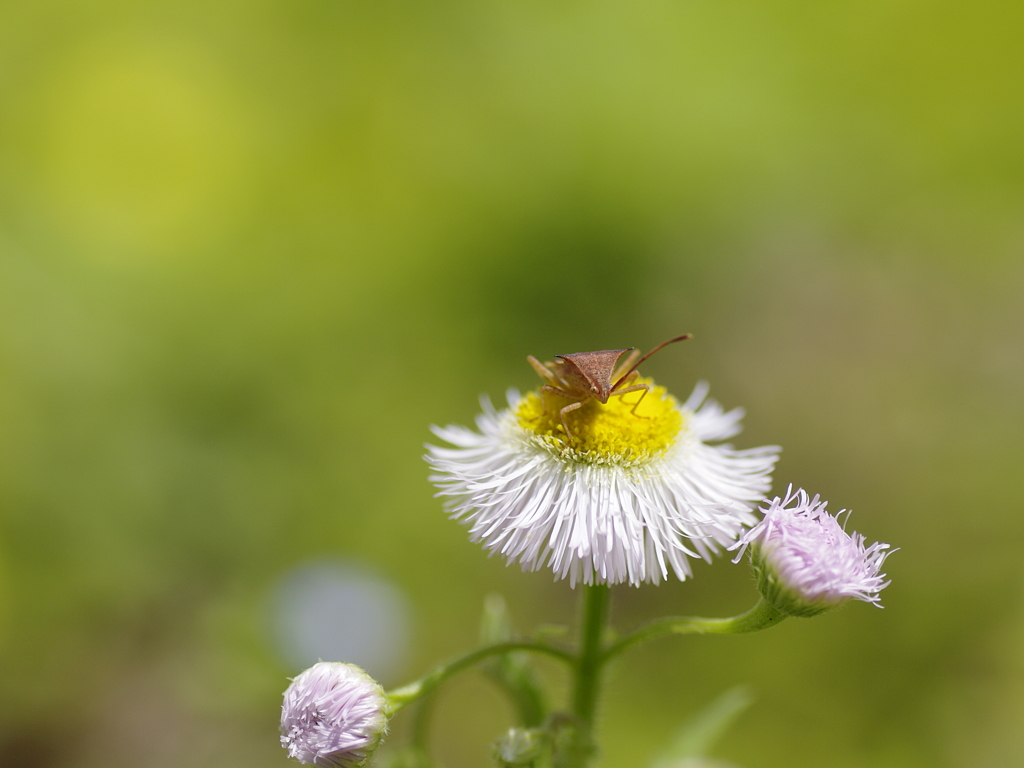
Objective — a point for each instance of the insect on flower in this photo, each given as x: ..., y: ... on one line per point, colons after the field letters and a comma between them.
x: 584, y: 376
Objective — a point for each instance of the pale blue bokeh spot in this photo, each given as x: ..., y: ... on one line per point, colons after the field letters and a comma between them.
x: 335, y: 610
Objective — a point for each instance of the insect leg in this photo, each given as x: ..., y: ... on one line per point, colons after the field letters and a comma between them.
x: 543, y: 371
x: 565, y: 424
x: 636, y: 388
x: 547, y: 389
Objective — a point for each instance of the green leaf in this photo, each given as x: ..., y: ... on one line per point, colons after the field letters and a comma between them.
x: 513, y: 672
x: 699, y: 735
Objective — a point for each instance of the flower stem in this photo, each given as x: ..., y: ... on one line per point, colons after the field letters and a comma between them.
x: 407, y: 694
x: 761, y: 616
x: 594, y: 616
x: 421, y: 723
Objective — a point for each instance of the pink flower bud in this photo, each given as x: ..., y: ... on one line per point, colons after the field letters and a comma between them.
x: 334, y: 716
x: 806, y: 563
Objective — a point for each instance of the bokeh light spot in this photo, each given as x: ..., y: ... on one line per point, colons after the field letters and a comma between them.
x: 339, y: 611
x: 145, y: 148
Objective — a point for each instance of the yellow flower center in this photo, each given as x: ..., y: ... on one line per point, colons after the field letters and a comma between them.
x: 618, y: 432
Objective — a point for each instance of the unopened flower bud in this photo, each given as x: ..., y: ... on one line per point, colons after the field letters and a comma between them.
x: 334, y: 716
x: 518, y: 747
x: 804, y: 561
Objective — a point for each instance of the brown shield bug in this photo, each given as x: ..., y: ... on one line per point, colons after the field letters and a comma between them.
x: 584, y: 376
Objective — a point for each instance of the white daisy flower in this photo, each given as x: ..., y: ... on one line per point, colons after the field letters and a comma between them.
x: 633, y: 492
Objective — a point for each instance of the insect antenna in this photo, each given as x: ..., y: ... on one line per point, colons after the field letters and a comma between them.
x: 658, y: 348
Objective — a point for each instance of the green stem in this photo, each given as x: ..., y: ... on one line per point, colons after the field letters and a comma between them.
x: 421, y: 723
x: 593, y: 618
x: 761, y: 616
x: 407, y: 694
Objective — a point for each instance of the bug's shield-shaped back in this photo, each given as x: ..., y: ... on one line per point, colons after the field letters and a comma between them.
x: 591, y: 371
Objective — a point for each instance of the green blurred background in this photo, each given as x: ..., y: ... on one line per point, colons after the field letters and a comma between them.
x: 249, y: 252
